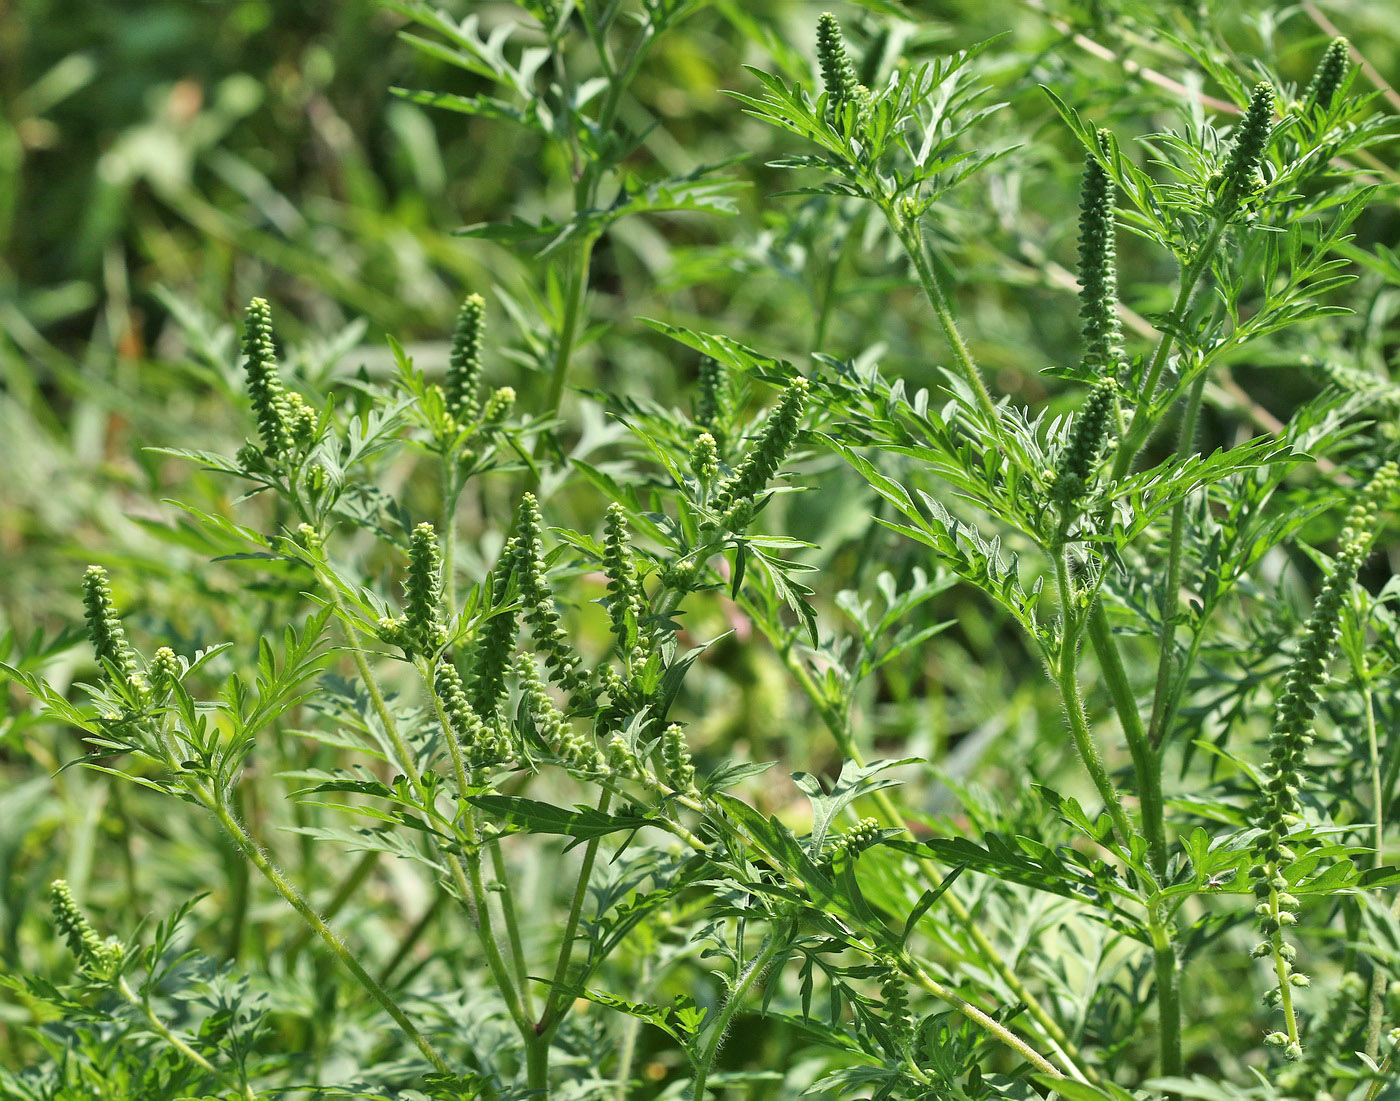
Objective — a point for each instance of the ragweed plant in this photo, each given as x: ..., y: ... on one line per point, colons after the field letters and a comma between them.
x: 467, y: 721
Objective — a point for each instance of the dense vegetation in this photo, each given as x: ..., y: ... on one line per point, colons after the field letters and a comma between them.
x: 865, y: 571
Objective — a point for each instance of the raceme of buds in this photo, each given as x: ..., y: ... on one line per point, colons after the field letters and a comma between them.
x: 704, y: 458
x: 856, y: 839
x: 678, y: 770
x: 734, y: 496
x: 895, y: 994
x: 1326, y: 1039
x: 1098, y: 275
x: 1292, y: 733
x: 540, y: 611
x: 165, y: 667
x: 1240, y: 178
x: 464, y: 363
x: 264, y: 386
x: 422, y: 619
x: 626, y: 606
x: 104, y: 626
x: 1085, y: 446
x: 578, y: 754
x: 838, y: 74
x: 1327, y: 77
x: 710, y: 407
x: 483, y: 744
x: 498, y: 407
x: 96, y: 957
x: 496, y: 642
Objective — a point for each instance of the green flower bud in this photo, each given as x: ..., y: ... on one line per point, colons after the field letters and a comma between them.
x: 735, y: 495
x: 264, y: 385
x: 422, y: 620
x: 1098, y: 274
x: 498, y: 407
x: 838, y: 74
x: 1240, y: 177
x: 626, y: 604
x: 541, y: 613
x: 704, y: 459
x: 1079, y: 458
x: 464, y: 363
x: 713, y: 402
x: 96, y: 957
x: 678, y: 772
x: 496, y: 642
x: 1327, y: 77
x: 104, y: 626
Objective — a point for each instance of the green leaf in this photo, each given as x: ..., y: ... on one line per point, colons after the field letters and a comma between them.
x: 532, y: 816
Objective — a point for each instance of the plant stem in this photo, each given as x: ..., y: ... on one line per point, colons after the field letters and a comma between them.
x: 972, y: 1013
x: 556, y: 1001
x: 283, y: 887
x: 1067, y: 678
x: 1171, y: 591
x: 912, y: 240
x: 1378, y: 983
x: 1139, y: 429
x: 772, y: 945
x: 627, y: 1050
x: 1168, y: 974
x: 512, y: 924
x: 164, y: 1031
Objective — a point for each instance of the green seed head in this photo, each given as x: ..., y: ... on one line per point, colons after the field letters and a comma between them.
x: 422, y: 620
x: 1240, y: 178
x: 464, y: 363
x: 626, y: 606
x: 1084, y: 447
x: 496, y: 641
x: 838, y: 74
x: 1098, y: 275
x: 1327, y: 77
x: 734, y: 496
x: 97, y: 957
x: 498, y: 407
x: 264, y: 385
x: 541, y: 613
x: 104, y: 626
x: 677, y: 769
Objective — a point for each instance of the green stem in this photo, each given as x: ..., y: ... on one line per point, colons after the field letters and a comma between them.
x: 1378, y: 983
x: 1139, y: 428
x: 512, y: 924
x: 1067, y: 678
x: 164, y: 1031
x: 451, y: 491
x: 1168, y: 974
x: 293, y: 898
x: 631, y: 1028
x: 912, y: 240
x: 972, y: 1013
x: 772, y: 945
x: 556, y: 1003
x: 1171, y: 592
x: 1147, y: 764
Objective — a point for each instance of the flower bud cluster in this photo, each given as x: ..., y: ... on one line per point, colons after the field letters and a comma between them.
x: 561, y: 659
x: 704, y: 459
x: 894, y: 992
x: 483, y: 744
x: 678, y: 770
x: 1278, y: 805
x: 1241, y: 177
x: 496, y: 643
x: 711, y: 405
x: 464, y: 362
x: 734, y: 497
x: 1328, y: 75
x: 1327, y: 1034
x: 578, y: 754
x: 626, y: 601
x: 422, y: 620
x: 101, y: 959
x: 1098, y: 273
x: 1079, y: 458
x: 105, y: 626
x: 838, y: 74
x: 855, y: 840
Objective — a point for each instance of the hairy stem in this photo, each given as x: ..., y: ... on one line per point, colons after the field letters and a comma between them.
x: 772, y: 945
